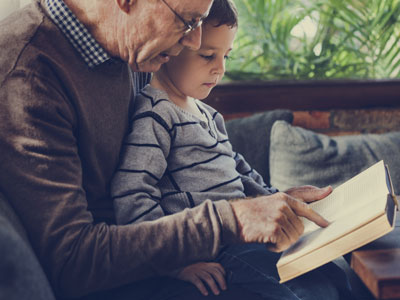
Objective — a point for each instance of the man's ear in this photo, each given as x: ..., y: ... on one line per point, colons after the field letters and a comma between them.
x: 125, y: 5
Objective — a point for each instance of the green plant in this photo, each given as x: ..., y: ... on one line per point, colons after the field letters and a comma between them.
x: 316, y: 39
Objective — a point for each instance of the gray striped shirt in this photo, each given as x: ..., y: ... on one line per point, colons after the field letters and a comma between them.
x: 172, y: 160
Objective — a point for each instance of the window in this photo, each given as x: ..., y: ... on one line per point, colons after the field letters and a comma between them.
x: 316, y: 39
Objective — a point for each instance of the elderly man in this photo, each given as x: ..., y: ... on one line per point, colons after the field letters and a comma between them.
x: 66, y: 94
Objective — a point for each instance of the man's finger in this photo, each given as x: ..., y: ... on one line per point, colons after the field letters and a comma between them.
x: 309, y: 193
x: 297, y: 225
x: 304, y: 210
x: 320, y: 194
x: 287, y: 227
x: 279, y: 242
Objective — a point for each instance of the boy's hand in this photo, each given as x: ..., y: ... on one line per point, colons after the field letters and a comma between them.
x: 210, y: 273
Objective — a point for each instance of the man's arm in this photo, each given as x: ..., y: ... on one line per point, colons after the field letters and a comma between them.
x: 41, y: 175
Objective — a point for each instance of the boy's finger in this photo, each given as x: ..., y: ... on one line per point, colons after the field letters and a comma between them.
x: 220, y: 279
x: 199, y: 284
x: 220, y: 268
x: 209, y: 279
x: 218, y: 272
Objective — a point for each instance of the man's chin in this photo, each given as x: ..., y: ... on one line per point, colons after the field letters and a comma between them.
x: 152, y: 65
x: 146, y: 67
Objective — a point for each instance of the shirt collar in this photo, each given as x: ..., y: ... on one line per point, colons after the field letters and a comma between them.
x: 77, y: 34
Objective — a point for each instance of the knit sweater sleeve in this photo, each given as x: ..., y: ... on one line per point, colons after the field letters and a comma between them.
x: 134, y: 189
x: 253, y: 182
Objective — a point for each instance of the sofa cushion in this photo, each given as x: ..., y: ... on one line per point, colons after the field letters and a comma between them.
x: 250, y: 137
x: 21, y: 275
x: 299, y: 156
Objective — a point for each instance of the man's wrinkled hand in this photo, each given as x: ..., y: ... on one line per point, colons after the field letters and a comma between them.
x: 309, y: 193
x: 274, y: 219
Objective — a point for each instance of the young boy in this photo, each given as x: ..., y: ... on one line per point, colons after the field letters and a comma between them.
x: 178, y: 155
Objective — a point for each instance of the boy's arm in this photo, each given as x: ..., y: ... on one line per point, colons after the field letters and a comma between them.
x: 134, y: 189
x: 253, y: 182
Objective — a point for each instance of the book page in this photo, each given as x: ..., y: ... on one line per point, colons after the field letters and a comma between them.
x: 368, y: 186
x: 338, y: 228
x: 352, y: 204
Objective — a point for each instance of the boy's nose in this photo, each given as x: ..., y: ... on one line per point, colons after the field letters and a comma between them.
x: 220, y: 66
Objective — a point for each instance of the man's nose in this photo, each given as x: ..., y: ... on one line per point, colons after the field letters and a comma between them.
x: 192, y: 40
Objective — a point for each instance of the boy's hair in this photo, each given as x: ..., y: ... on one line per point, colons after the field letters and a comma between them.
x: 223, y: 12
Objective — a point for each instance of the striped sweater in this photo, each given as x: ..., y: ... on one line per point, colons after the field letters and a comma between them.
x: 172, y: 160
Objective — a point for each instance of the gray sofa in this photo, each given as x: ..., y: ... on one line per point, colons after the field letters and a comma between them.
x: 288, y: 156
x: 21, y: 276
x: 273, y: 148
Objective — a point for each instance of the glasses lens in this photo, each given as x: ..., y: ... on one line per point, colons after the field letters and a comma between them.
x: 198, y: 23
x: 193, y: 25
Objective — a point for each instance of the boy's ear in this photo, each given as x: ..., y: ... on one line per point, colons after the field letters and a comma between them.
x: 125, y: 5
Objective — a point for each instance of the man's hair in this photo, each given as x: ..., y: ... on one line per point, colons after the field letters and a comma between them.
x: 223, y: 12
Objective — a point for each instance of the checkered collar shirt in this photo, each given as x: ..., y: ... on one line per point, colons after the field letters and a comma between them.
x: 77, y: 34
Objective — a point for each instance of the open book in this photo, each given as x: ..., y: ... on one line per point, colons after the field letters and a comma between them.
x: 359, y: 211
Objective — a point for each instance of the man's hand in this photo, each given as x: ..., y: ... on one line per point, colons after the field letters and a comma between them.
x: 212, y: 274
x: 274, y: 219
x: 309, y: 193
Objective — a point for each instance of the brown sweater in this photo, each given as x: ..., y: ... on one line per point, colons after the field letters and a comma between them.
x: 61, y: 129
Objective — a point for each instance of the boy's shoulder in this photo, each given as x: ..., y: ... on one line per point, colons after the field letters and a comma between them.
x: 156, y: 102
x: 151, y: 98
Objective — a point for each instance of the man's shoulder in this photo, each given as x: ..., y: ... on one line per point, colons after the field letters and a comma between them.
x: 16, y: 34
x: 23, y: 23
x: 29, y: 41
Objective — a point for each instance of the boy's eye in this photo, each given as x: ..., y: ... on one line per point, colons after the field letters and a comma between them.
x: 207, y: 57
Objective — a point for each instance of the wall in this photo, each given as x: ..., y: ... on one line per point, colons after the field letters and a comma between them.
x: 333, y: 108
x: 341, y: 122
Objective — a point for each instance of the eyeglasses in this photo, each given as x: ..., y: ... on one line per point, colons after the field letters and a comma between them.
x: 191, y: 25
